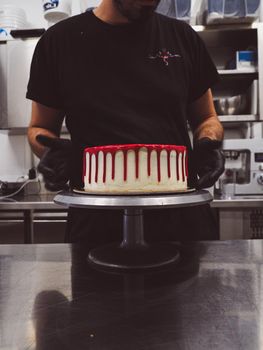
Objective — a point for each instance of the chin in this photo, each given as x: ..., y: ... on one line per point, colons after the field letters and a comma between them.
x: 142, y: 15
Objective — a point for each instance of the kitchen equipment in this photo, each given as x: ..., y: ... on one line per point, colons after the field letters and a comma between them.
x: 7, y: 187
x: 133, y: 253
x: 3, y: 33
x: 180, y: 9
x: 27, y: 33
x: 166, y: 8
x: 243, y: 168
x: 252, y: 8
x: 236, y: 96
x: 12, y: 17
x: 231, y: 11
x: 232, y: 105
x: 246, y: 59
x: 56, y: 10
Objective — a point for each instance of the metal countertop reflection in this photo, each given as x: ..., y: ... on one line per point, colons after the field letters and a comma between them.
x: 51, y: 299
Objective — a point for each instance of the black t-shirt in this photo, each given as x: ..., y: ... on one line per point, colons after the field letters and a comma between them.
x: 119, y: 84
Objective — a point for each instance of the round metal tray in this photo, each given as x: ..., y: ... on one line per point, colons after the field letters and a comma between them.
x: 180, y: 199
x: 134, y: 253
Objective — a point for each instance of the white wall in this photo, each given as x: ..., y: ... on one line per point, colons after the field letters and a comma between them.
x: 16, y: 157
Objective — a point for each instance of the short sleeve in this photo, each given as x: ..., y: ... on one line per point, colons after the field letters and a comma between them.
x: 43, y: 85
x: 203, y: 73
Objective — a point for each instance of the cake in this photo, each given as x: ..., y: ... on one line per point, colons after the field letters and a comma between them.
x: 135, y: 168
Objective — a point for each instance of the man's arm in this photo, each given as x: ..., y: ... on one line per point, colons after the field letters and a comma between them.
x: 44, y: 121
x: 203, y: 119
x: 208, y: 135
x: 55, y: 153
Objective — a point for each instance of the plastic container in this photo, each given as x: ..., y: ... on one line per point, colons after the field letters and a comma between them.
x: 232, y: 11
x: 246, y: 59
x: 56, y: 10
x: 87, y: 5
x: 183, y: 9
x: 180, y: 9
x: 11, y: 10
x: 12, y: 16
x: 234, y: 105
x: 252, y: 8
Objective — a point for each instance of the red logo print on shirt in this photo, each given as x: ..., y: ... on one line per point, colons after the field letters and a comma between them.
x: 164, y: 55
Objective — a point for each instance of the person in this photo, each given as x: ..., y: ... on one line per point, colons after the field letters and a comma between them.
x: 123, y: 74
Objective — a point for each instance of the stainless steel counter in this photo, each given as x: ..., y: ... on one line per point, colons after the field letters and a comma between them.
x: 52, y: 300
x: 31, y: 204
x: 45, y: 202
x: 239, y: 202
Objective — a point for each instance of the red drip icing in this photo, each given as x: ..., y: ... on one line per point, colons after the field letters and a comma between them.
x: 159, y: 164
x: 125, y: 165
x: 115, y: 148
x: 137, y: 162
x: 90, y: 156
x: 104, y: 167
x: 136, y: 147
x: 97, y: 167
x: 169, y: 163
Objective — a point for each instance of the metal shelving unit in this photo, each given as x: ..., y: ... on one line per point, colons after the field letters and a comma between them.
x: 221, y: 35
x: 238, y: 71
x: 221, y: 27
x: 238, y: 118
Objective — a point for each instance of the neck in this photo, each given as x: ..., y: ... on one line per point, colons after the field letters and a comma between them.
x: 107, y: 12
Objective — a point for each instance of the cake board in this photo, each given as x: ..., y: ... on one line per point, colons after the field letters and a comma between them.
x: 133, y: 253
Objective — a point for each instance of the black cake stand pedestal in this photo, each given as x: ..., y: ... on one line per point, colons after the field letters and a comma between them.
x: 133, y: 253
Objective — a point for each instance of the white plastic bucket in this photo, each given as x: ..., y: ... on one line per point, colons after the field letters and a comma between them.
x: 56, y: 10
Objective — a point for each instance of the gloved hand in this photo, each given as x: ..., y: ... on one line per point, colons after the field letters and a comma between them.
x: 209, y: 161
x: 54, y: 164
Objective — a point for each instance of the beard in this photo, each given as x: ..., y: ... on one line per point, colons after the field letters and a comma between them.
x: 132, y: 12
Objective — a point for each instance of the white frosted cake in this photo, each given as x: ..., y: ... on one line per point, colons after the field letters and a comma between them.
x: 135, y: 168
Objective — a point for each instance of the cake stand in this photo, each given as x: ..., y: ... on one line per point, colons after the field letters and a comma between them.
x: 133, y: 253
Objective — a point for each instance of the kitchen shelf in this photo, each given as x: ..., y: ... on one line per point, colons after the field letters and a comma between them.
x: 23, y: 131
x: 237, y: 71
x: 239, y: 118
x: 5, y: 39
x: 14, y: 131
x: 227, y: 27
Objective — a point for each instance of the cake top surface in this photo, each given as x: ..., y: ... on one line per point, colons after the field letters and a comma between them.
x: 124, y: 147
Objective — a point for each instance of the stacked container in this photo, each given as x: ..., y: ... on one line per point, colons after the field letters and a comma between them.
x: 12, y: 17
x: 231, y: 11
x: 180, y: 9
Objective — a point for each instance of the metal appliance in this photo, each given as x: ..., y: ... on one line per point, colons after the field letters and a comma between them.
x: 133, y: 254
x: 244, y: 167
x: 180, y: 9
x: 15, y: 60
x: 229, y: 11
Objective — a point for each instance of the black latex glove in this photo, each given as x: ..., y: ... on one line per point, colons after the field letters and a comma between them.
x: 54, y: 164
x: 209, y: 161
